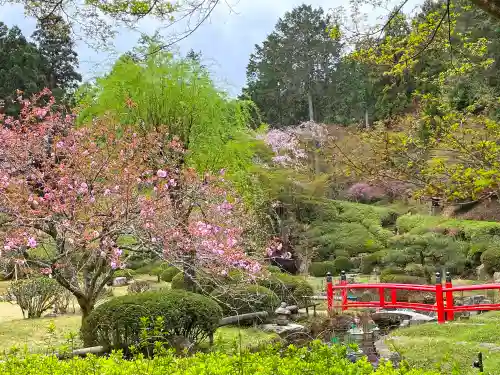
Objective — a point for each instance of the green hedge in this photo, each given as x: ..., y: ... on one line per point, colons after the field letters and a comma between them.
x: 470, y: 230
x: 353, y: 238
x: 169, y: 273
x: 116, y: 324
x: 316, y: 359
x: 370, y: 261
x: 288, y: 288
x: 491, y: 260
x: 245, y: 299
x: 342, y: 264
x: 319, y: 269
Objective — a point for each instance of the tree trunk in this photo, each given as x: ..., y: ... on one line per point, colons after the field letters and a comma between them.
x: 189, y: 273
x: 311, y: 109
x: 367, y: 119
x: 86, y: 307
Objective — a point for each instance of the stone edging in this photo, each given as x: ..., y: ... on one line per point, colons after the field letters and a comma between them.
x: 385, y: 353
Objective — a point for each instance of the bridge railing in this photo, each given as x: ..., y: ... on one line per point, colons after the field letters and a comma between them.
x: 445, y: 306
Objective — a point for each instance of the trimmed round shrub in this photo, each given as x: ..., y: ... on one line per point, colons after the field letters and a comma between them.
x: 129, y: 274
x: 342, y: 264
x: 245, y: 299
x: 341, y: 253
x: 274, y: 269
x: 120, y: 322
x: 319, y: 269
x: 169, y: 273
x: 370, y: 261
x: 204, y: 284
x: 139, y: 286
x: 290, y: 289
x: 491, y: 260
x: 401, y: 279
x: 235, y: 276
x: 415, y: 269
x: 388, y: 271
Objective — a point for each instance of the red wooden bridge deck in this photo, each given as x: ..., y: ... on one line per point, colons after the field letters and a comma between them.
x: 444, y: 306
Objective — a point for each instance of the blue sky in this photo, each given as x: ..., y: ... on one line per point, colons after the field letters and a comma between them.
x: 226, y: 40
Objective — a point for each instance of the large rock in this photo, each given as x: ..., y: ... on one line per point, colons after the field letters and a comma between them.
x: 496, y: 277
x: 284, y: 331
x: 481, y: 273
x: 120, y: 281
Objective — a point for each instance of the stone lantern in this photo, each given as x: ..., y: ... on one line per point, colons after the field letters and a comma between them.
x: 283, y: 315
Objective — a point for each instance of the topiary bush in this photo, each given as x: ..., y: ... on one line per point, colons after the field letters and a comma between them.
x: 245, y: 299
x: 290, y: 289
x: 342, y: 264
x: 168, y: 274
x: 139, y: 286
x: 388, y: 271
x: 415, y: 269
x: 274, y: 269
x: 118, y: 323
x: 370, y: 261
x: 35, y: 296
x: 491, y: 260
x: 320, y: 269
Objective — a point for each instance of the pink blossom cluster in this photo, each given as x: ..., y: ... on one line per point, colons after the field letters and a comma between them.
x: 274, y: 247
x: 85, y: 194
x: 362, y: 192
x: 289, y: 144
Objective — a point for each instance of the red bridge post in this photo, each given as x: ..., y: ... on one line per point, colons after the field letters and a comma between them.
x: 343, y: 281
x: 329, y: 290
x: 450, y: 314
x: 381, y: 295
x: 439, y: 299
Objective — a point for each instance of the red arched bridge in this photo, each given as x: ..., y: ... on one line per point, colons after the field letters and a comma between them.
x: 444, y: 307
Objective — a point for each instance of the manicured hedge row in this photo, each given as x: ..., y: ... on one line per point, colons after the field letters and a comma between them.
x: 320, y: 359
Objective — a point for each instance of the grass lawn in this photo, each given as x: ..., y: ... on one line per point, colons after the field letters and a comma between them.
x: 452, y: 346
x: 35, y: 335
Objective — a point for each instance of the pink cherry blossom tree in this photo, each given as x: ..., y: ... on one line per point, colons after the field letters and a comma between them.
x: 201, y: 223
x: 70, y: 195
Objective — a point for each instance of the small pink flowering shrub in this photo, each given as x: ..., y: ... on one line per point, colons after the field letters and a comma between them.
x: 363, y: 193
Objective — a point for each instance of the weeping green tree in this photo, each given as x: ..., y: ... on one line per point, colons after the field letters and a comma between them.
x: 176, y: 93
x: 177, y: 96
